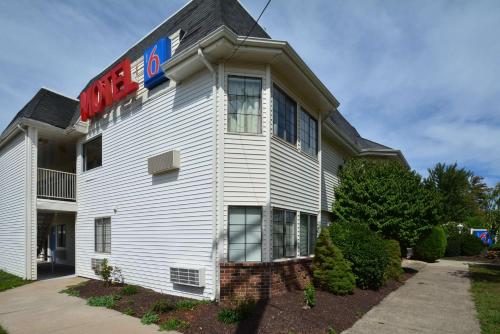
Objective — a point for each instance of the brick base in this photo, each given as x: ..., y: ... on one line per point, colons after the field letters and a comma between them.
x: 263, y: 280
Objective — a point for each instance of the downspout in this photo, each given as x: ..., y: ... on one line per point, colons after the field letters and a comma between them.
x: 215, y: 227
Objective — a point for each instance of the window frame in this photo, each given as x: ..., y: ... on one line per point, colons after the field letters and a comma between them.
x: 245, y: 76
x: 102, y: 221
x: 310, y: 250
x: 310, y: 118
x: 229, y: 231
x: 84, y: 155
x: 276, y: 87
x: 283, y: 234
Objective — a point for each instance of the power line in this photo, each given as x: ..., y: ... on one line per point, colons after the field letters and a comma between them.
x: 251, y: 30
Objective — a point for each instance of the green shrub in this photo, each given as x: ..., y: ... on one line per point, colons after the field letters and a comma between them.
x: 454, y: 244
x: 432, y: 246
x: 129, y: 290
x: 108, y: 301
x: 71, y: 291
x: 471, y: 245
x: 310, y: 295
x: 189, y: 304
x: 330, y: 270
x: 129, y: 311
x: 149, y: 318
x: 331, y: 331
x: 393, y: 269
x: 495, y: 247
x: 243, y: 309
x: 365, y: 250
x: 105, y: 272
x: 163, y: 306
x: 173, y: 324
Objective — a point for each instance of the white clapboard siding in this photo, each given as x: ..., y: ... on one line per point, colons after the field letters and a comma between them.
x: 13, y: 206
x: 294, y: 178
x: 157, y: 222
x: 246, y: 164
x: 330, y: 162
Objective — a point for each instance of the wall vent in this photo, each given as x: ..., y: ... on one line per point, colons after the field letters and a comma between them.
x: 187, y: 276
x: 165, y: 162
x: 97, y: 265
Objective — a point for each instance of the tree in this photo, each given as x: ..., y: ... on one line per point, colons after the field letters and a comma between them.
x: 388, y: 197
x: 453, y: 186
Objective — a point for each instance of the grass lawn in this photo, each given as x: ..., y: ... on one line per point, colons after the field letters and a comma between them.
x: 8, y: 281
x: 486, y: 292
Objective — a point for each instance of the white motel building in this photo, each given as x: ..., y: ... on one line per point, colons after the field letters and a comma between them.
x: 206, y: 144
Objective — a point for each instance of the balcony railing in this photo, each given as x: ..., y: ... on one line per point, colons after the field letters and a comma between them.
x: 53, y: 184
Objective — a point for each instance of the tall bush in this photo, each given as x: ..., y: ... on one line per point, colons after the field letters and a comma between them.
x: 365, y: 250
x: 393, y: 269
x: 388, y: 197
x: 471, y: 245
x: 330, y: 270
x: 432, y: 246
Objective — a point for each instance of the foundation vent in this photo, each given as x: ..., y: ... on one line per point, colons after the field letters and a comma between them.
x: 165, y: 162
x: 188, y: 276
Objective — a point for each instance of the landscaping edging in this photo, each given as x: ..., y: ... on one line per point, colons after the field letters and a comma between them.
x: 262, y: 280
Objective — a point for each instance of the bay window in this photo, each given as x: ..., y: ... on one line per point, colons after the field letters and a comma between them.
x: 245, y: 234
x: 284, y: 234
x: 308, y: 233
x: 244, y: 104
x: 308, y: 133
x: 284, y: 116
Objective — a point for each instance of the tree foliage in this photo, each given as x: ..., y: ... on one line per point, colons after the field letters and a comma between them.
x: 388, y: 197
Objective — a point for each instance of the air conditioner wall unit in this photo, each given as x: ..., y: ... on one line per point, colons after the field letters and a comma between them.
x: 165, y: 162
x: 96, y: 265
x: 188, y: 276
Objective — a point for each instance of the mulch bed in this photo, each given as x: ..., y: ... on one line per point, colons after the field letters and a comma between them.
x: 281, y: 314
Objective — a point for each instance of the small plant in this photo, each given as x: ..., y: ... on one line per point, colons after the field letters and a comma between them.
x: 149, y: 318
x: 189, y: 304
x: 243, y: 310
x: 129, y: 290
x: 309, y: 295
x: 105, y: 272
x: 173, y: 324
x: 71, y: 291
x: 116, y: 275
x: 228, y: 316
x: 163, y: 306
x: 129, y: 311
x: 331, y: 330
x: 108, y: 301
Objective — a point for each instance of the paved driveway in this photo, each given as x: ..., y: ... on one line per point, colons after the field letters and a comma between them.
x: 435, y: 300
x: 40, y: 308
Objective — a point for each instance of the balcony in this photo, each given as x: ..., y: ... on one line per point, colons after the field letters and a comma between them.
x: 56, y: 185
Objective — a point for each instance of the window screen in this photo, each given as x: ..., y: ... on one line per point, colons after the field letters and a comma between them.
x: 284, y: 234
x: 308, y: 233
x: 103, y: 235
x: 245, y: 234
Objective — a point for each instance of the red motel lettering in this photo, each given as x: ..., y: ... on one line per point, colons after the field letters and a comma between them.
x: 110, y: 88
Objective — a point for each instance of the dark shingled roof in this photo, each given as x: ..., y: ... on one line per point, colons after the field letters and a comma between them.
x: 197, y: 20
x: 48, y: 107
x: 352, y: 134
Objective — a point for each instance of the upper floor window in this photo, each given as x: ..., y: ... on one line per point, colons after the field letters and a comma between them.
x: 92, y: 154
x: 244, y: 110
x: 284, y: 116
x: 308, y: 133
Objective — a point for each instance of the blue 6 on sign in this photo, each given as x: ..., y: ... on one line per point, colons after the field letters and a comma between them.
x: 154, y: 56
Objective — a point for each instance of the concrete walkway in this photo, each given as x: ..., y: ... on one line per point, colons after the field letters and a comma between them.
x: 39, y: 308
x: 435, y: 300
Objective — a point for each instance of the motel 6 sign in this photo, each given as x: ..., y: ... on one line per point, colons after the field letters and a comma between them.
x: 156, y: 55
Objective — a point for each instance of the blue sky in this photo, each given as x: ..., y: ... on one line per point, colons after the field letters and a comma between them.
x: 422, y: 76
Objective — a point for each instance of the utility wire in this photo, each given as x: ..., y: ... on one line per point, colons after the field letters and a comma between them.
x: 251, y: 30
